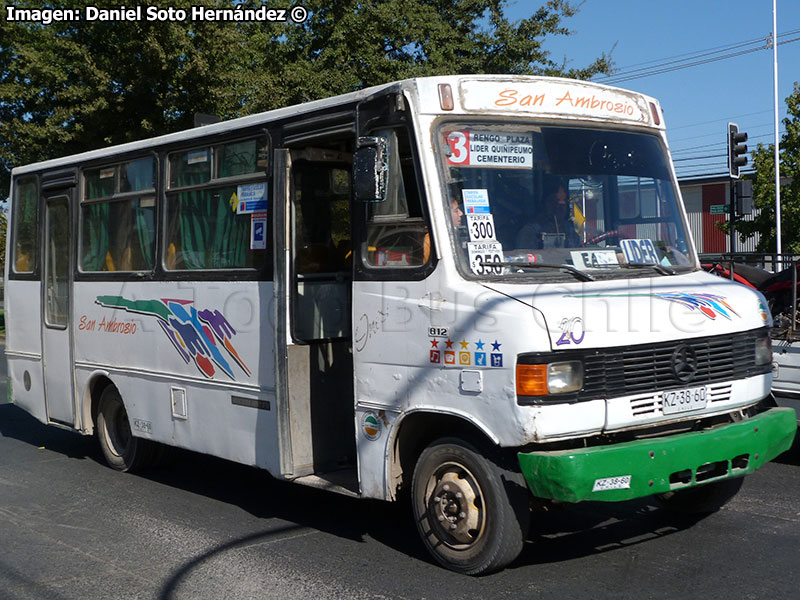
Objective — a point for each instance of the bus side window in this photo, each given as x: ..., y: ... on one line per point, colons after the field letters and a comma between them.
x: 118, y: 217
x: 26, y: 218
x: 322, y: 249
x: 396, y: 230
x: 118, y: 236
x: 217, y: 207
x: 322, y: 218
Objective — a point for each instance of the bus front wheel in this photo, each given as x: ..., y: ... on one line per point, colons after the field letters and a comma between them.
x: 471, y: 512
x: 121, y: 450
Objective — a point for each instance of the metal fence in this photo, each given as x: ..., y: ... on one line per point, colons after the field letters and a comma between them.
x: 779, y: 286
x: 770, y: 262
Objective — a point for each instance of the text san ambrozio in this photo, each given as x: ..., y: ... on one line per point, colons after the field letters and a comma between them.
x: 112, y: 325
x: 555, y: 98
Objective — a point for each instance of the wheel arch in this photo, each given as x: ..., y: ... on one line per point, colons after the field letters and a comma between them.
x: 416, y: 430
x: 97, y: 382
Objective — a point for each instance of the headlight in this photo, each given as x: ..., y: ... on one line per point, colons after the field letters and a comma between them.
x: 763, y: 351
x: 552, y: 378
x: 564, y: 377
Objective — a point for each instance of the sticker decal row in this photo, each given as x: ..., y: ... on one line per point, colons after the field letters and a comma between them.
x: 452, y: 353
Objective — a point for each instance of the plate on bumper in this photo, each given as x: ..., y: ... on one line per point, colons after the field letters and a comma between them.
x: 684, y: 400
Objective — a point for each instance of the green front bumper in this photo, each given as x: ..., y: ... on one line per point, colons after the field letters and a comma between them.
x: 644, y: 467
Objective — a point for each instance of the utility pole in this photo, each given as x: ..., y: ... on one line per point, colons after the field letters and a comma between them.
x: 777, y: 138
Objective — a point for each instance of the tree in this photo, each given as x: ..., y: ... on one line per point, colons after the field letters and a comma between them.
x: 76, y: 85
x: 71, y: 86
x: 764, y: 186
x: 349, y: 45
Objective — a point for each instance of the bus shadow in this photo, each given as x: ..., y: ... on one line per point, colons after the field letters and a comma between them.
x: 590, y: 528
x: 792, y: 455
x: 564, y: 533
x: 569, y: 533
x: 17, y: 424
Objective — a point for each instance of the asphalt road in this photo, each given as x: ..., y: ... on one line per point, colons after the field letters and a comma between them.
x: 201, y: 528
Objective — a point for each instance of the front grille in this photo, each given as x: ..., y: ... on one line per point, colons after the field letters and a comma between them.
x: 629, y: 370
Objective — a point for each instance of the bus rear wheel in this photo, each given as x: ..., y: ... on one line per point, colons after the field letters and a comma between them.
x: 121, y: 450
x: 472, y: 514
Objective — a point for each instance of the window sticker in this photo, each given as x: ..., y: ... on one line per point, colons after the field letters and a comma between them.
x: 481, y: 227
x: 252, y: 198
x: 198, y: 156
x: 490, y: 149
x: 642, y: 252
x: 106, y: 173
x: 595, y: 259
x: 476, y: 202
x: 484, y: 256
x: 258, y: 231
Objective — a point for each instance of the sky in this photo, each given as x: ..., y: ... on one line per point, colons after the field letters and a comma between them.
x: 698, y: 101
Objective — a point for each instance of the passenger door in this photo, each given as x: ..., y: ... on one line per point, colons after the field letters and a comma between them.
x: 314, y: 270
x: 56, y: 306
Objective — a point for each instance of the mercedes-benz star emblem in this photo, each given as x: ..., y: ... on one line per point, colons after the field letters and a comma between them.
x: 684, y: 363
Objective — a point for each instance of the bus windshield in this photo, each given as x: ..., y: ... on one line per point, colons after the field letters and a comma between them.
x: 598, y: 200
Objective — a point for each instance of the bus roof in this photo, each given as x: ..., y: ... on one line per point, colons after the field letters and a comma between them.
x: 474, y: 94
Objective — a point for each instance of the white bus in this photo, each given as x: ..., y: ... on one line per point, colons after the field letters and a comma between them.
x: 480, y: 290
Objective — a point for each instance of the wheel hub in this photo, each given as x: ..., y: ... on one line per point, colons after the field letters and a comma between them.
x: 456, y: 505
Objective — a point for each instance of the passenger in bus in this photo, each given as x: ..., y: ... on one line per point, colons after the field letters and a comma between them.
x: 552, y: 225
x: 457, y: 217
x: 456, y: 213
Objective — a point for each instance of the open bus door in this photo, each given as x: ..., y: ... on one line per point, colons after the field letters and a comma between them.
x: 313, y: 304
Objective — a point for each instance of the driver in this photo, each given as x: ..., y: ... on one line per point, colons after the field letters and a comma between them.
x: 552, y: 226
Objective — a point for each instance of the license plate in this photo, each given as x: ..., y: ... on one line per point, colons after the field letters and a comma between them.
x: 612, y: 483
x: 685, y: 400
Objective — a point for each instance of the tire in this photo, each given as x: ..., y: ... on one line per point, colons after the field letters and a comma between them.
x: 121, y: 450
x: 702, y: 499
x: 472, y: 513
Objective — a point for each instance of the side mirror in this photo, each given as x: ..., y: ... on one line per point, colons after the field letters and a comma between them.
x: 370, y: 169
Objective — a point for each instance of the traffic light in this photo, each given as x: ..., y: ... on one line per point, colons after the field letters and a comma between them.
x: 737, y: 150
x: 744, y: 197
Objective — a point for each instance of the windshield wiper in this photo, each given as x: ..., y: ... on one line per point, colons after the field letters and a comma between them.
x: 656, y: 267
x: 580, y: 275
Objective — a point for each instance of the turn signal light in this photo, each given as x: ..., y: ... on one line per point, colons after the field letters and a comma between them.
x: 532, y: 380
x: 552, y: 378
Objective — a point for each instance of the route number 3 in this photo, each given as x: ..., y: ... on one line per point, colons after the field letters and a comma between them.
x: 459, y: 147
